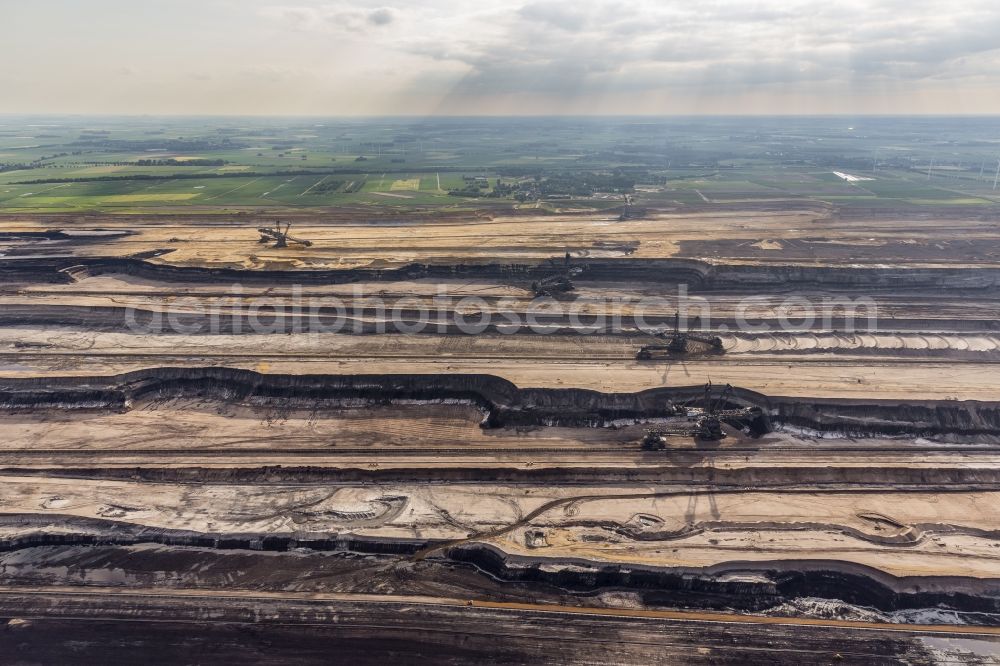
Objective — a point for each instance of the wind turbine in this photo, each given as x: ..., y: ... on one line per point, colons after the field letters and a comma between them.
x: 997, y: 177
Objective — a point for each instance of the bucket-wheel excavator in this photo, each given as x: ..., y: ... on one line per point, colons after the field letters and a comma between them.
x: 703, y: 423
x: 559, y: 283
x: 280, y: 237
x: 680, y: 343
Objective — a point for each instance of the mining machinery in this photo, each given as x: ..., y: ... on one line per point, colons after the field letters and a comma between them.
x: 560, y: 283
x: 280, y: 237
x: 553, y: 285
x: 627, y: 212
x: 680, y: 343
x: 703, y: 428
x: 703, y: 423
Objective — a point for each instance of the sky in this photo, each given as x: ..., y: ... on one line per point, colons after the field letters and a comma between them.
x: 451, y: 57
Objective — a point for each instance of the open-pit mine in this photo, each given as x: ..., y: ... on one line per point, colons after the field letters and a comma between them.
x: 716, y: 433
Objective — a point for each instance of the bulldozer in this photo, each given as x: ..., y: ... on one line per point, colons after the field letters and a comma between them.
x: 680, y: 343
x: 280, y: 237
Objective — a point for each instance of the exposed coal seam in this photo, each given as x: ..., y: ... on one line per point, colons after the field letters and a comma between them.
x: 83, y: 531
x: 89, y: 236
x: 502, y: 403
x: 706, y: 588
x: 281, y: 319
x: 698, y: 275
x: 774, y: 583
x: 850, y: 479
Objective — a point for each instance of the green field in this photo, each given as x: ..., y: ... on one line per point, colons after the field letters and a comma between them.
x: 121, y: 165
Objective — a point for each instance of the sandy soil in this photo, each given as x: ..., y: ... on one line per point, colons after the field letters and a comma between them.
x: 528, y: 362
x: 926, y: 533
x: 751, y: 235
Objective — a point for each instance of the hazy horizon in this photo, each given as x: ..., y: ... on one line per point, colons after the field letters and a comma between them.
x: 486, y: 116
x: 540, y: 57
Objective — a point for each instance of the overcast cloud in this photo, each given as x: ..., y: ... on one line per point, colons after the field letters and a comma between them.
x: 540, y: 56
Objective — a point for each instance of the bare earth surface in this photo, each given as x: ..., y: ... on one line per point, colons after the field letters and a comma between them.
x: 365, y: 482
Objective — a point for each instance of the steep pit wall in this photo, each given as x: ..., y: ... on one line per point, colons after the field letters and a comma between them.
x: 81, y: 531
x: 959, y: 477
x: 502, y: 403
x: 744, y: 586
x: 357, y: 320
x: 698, y: 275
x: 729, y: 586
x: 865, y: 417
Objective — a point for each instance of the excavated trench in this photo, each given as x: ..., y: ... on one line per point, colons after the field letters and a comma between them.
x: 502, y: 403
x: 741, y: 586
x: 81, y: 531
x: 698, y: 275
x: 751, y: 587
x: 904, y: 478
x: 58, y: 238
x: 954, y: 338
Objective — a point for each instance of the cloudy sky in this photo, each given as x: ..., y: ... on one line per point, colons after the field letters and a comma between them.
x: 399, y: 57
